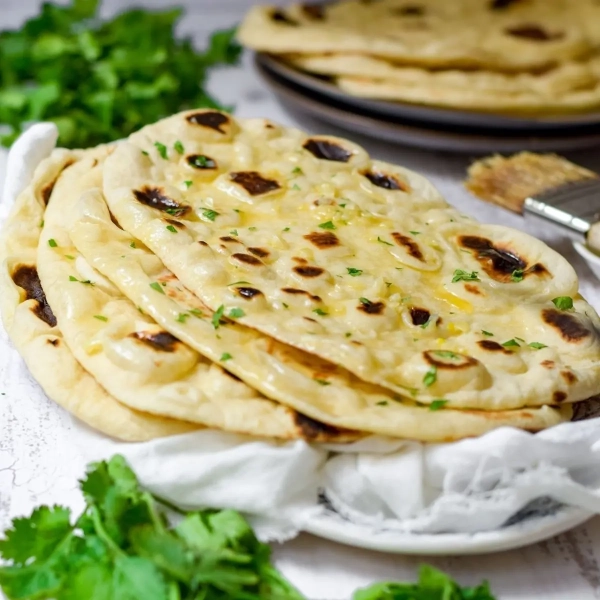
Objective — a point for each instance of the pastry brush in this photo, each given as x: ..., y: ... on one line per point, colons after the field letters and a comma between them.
x: 545, y: 186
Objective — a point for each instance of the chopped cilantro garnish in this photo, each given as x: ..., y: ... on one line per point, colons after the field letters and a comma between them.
x: 217, y: 316
x: 236, y: 313
x: 69, y: 256
x: 157, y: 287
x: 354, y: 272
x: 342, y: 204
x: 320, y: 312
x: 446, y: 354
x: 286, y: 229
x: 171, y: 229
x: 327, y: 225
x: 487, y: 333
x: 297, y: 171
x: 188, y: 183
x: 238, y: 283
x: 426, y: 324
x: 178, y: 146
x: 382, y: 403
x: 285, y: 305
x: 42, y: 223
x: 196, y: 312
x: 132, y: 245
x: 251, y: 228
x: 225, y: 356
x: 437, y: 404
x: 162, y: 149
x: 322, y: 381
x: 460, y: 275
x: 511, y: 344
x: 210, y: 214
x: 430, y: 377
x: 296, y: 187
x: 387, y: 283
x: 365, y: 301
x: 348, y: 334
x: 519, y: 339
x: 145, y: 153
x: 52, y: 243
x: 181, y: 317
x: 415, y: 232
x: 563, y: 302
x: 101, y: 318
x: 85, y: 282
x: 517, y: 275
x: 537, y: 345
x: 234, y: 232
x: 383, y: 241
x: 172, y: 211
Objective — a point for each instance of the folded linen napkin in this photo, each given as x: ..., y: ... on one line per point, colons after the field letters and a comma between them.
x: 467, y: 486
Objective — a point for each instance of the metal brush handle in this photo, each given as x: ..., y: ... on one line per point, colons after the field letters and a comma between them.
x: 575, y: 206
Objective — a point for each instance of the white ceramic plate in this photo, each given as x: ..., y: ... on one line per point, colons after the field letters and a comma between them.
x: 533, y: 528
x: 591, y: 258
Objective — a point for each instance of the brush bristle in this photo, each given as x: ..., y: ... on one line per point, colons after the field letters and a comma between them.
x: 508, y: 181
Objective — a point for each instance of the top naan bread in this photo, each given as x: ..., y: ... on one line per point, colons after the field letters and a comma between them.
x: 355, y: 260
x: 496, y: 34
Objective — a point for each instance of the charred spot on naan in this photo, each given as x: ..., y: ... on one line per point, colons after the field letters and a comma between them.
x: 316, y: 431
x: 446, y: 359
x: 202, y: 162
x: 410, y: 10
x: 279, y: 16
x: 569, y: 377
x: 371, y: 308
x: 155, y: 197
x: 473, y: 289
x: 212, y: 119
x: 48, y: 188
x: 323, y: 240
x: 419, y: 316
x: 247, y: 259
x: 503, y: 4
x: 158, y: 340
x: 327, y: 150
x: 297, y: 292
x: 254, y: 183
x: 409, y: 244
x: 492, y: 346
x: 315, y: 12
x: 385, y: 181
x: 548, y: 364
x: 568, y: 326
x: 308, y: 271
x: 559, y: 397
x: 26, y: 277
x: 533, y: 32
x: 53, y: 342
x: 248, y: 292
x: 175, y: 223
x: 260, y: 252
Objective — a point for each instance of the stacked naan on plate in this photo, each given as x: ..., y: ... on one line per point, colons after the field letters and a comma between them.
x: 238, y: 275
x: 507, y: 56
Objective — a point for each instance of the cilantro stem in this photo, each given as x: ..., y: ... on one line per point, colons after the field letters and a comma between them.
x: 168, y: 504
x: 151, y: 504
x: 174, y: 591
x: 103, y: 534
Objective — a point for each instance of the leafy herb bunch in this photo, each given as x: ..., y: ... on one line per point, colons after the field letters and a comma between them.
x: 100, y: 80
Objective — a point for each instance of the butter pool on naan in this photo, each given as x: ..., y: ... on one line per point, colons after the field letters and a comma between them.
x: 31, y: 324
x: 312, y: 386
x: 357, y: 261
x: 133, y: 358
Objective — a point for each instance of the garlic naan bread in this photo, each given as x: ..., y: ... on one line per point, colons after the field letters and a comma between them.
x: 313, y: 386
x: 571, y: 86
x: 494, y: 34
x: 134, y: 359
x: 357, y: 261
x: 31, y: 324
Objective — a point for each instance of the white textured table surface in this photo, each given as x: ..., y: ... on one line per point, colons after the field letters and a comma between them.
x: 39, y: 465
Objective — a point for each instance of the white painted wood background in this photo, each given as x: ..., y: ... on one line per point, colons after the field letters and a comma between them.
x: 38, y: 465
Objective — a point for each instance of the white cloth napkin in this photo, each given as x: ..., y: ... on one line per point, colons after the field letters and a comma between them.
x: 468, y: 486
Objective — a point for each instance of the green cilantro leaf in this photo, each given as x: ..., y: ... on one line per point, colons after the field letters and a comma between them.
x: 188, y: 183
x: 297, y: 171
x: 327, y: 225
x: 511, y: 344
x: 85, y: 282
x: 437, y: 404
x: 181, y: 317
x: 210, y: 214
x: 320, y: 312
x: 162, y: 149
x: 460, y: 275
x: 171, y: 229
x: 157, y: 287
x: 537, y: 345
x: 382, y: 403
x: 236, y: 313
x: 178, y: 147
x: 52, y: 243
x: 430, y: 377
x: 383, y: 241
x: 296, y: 187
x: 225, y: 356
x: 132, y: 245
x: 234, y: 232
x: 217, y: 316
x: 563, y: 302
x: 517, y: 275
x: 101, y: 318
x: 446, y: 354
x: 354, y: 272
x: 322, y: 381
x: 415, y: 232
x: 487, y: 333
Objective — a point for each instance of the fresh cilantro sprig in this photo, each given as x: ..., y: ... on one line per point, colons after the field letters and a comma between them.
x: 123, y: 547
x: 100, y: 80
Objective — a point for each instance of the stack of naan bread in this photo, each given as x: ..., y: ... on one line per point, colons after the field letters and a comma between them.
x: 239, y: 275
x: 510, y: 56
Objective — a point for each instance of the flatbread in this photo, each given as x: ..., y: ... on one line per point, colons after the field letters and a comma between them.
x: 287, y: 374
x: 133, y: 358
x: 32, y: 328
x: 571, y: 86
x: 357, y: 261
x: 514, y: 36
